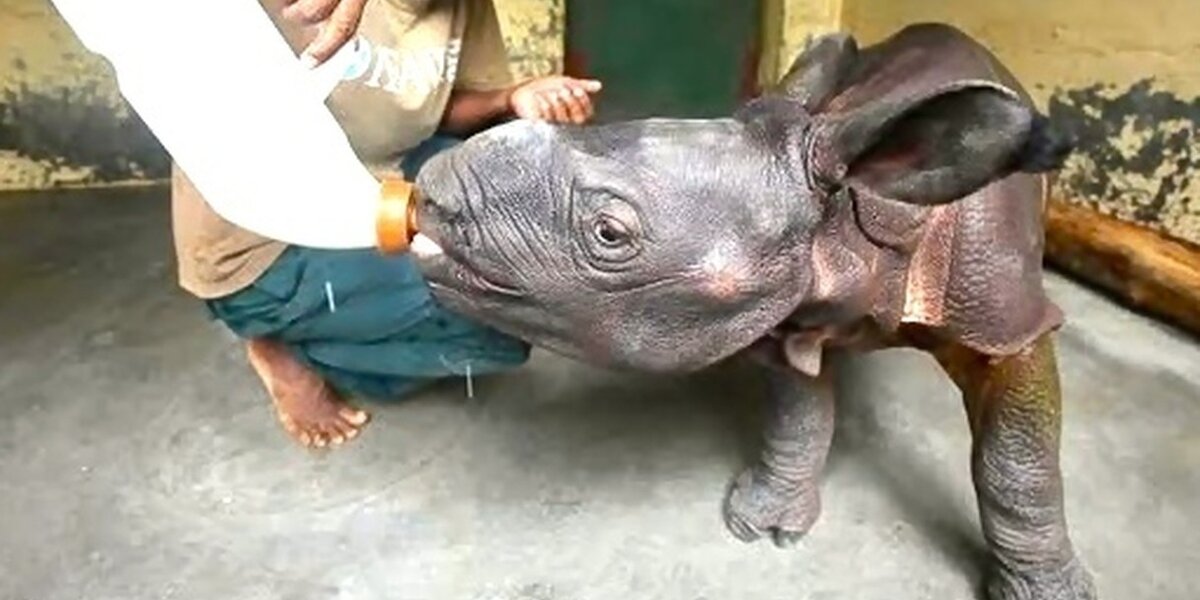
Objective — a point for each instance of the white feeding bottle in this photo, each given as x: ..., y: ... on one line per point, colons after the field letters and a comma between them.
x: 220, y: 88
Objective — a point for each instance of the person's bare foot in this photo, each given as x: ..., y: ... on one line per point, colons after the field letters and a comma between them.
x: 309, y: 409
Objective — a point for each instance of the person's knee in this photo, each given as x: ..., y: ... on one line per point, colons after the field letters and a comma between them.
x: 263, y: 308
x: 237, y: 320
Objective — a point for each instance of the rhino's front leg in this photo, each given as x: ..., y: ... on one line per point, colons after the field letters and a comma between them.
x: 1015, y: 412
x: 779, y: 495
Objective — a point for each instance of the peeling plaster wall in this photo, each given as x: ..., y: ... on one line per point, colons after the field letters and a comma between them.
x: 787, y: 27
x: 63, y: 122
x: 1140, y: 154
x: 1123, y: 76
x: 533, y: 32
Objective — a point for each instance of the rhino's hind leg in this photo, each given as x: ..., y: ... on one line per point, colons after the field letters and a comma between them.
x: 1015, y: 414
x: 779, y: 495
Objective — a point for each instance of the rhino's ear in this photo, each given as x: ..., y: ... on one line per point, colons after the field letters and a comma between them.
x: 818, y: 71
x: 936, y: 148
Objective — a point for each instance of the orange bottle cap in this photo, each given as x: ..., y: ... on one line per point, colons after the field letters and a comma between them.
x: 396, y: 223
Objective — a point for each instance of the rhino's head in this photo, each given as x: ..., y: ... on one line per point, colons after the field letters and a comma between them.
x: 671, y: 244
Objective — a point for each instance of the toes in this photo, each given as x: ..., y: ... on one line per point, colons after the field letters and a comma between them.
x: 784, y: 538
x: 738, y: 525
x: 333, y: 434
x: 345, y: 430
x: 735, y: 512
x: 755, y: 508
x: 741, y: 529
x: 332, y: 430
x: 353, y: 416
x: 1070, y: 581
x: 291, y: 428
x: 289, y: 424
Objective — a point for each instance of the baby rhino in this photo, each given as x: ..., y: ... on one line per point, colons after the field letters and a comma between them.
x: 877, y: 197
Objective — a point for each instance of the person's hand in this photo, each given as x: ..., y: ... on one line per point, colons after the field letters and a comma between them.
x: 555, y: 98
x: 337, y: 21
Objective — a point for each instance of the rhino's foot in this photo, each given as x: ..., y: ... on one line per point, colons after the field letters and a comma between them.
x: 759, y: 505
x: 1069, y: 581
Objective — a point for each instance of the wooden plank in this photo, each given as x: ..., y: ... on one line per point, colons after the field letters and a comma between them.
x: 1142, y: 267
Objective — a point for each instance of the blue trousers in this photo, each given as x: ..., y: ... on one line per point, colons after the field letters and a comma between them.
x: 365, y: 321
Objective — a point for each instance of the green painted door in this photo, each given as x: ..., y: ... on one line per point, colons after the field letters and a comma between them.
x: 667, y: 58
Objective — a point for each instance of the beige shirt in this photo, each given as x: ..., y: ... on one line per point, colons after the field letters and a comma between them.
x: 409, y: 54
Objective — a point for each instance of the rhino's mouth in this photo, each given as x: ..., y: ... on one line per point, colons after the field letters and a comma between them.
x: 447, y: 250
x: 423, y: 247
x: 444, y: 268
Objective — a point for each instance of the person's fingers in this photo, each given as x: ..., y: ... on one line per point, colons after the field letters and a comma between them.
x: 573, y: 105
x: 590, y: 86
x: 335, y: 32
x: 582, y: 89
x: 558, y: 99
x: 308, y: 12
x: 546, y: 107
x: 531, y: 105
x: 589, y: 109
x: 585, y: 102
x: 558, y: 110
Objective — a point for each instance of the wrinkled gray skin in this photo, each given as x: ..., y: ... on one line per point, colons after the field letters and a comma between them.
x: 878, y: 197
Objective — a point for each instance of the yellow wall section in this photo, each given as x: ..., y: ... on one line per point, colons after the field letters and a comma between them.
x: 533, y: 32
x: 36, y: 48
x: 41, y: 61
x: 1063, y: 43
x: 802, y: 20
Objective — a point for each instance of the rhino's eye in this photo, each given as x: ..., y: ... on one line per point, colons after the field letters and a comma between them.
x: 610, y: 232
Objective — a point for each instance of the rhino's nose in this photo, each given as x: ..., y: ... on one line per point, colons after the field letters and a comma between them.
x: 439, y: 186
x: 443, y: 213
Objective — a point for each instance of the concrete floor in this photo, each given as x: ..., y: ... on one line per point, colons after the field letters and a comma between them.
x: 138, y: 459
